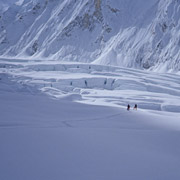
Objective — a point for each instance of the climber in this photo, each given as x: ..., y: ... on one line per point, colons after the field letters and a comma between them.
x: 135, y: 106
x: 128, y: 107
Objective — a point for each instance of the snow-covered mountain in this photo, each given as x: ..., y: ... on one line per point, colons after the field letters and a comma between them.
x: 63, y: 96
x: 130, y: 33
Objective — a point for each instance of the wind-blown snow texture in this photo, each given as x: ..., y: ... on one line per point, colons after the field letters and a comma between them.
x: 131, y: 33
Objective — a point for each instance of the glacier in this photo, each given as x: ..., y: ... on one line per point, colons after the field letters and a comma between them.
x: 69, y: 121
x: 68, y: 70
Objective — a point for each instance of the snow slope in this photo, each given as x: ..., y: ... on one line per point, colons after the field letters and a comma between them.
x: 54, y: 137
x: 129, y: 33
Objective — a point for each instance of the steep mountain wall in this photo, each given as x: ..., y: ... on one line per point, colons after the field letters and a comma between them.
x: 131, y: 33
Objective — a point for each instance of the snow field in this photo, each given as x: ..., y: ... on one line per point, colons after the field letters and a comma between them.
x: 55, y: 138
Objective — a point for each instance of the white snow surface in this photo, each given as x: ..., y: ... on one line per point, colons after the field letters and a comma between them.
x: 69, y: 121
x: 129, y: 33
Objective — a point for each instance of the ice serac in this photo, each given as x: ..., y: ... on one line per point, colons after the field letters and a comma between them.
x: 130, y: 33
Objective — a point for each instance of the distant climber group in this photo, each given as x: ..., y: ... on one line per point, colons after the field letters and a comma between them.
x: 128, y: 107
